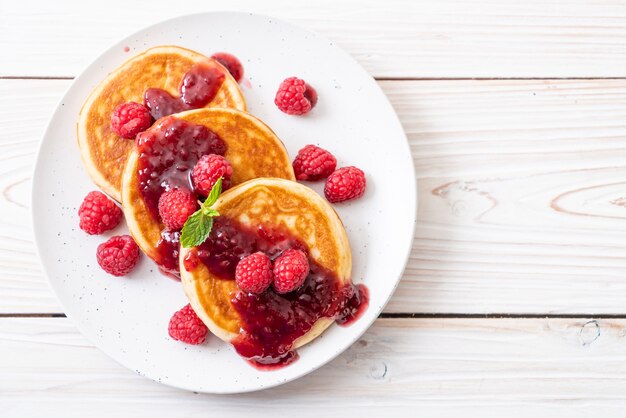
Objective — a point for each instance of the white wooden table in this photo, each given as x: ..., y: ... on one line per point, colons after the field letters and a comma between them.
x: 514, y: 299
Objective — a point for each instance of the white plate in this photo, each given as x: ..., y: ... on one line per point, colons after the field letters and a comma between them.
x: 127, y: 317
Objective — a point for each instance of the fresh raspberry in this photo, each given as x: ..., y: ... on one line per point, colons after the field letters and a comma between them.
x: 344, y: 184
x: 129, y: 119
x: 295, y: 96
x: 175, y: 206
x: 232, y: 64
x: 98, y: 213
x: 185, y: 326
x: 207, y: 172
x: 118, y: 256
x: 290, y: 271
x: 313, y: 163
x: 253, y: 273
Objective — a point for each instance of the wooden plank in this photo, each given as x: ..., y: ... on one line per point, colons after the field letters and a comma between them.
x: 24, y: 110
x: 521, y: 190
x: 441, y: 367
x: 520, y: 186
x: 400, y: 38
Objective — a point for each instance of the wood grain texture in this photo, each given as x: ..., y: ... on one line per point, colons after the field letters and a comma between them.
x: 395, y: 38
x: 521, y: 195
x: 24, y: 110
x: 441, y: 367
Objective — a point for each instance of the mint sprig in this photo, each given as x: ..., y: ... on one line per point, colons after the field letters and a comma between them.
x: 198, y: 226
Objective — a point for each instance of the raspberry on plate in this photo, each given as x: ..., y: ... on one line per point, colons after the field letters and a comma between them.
x: 98, y: 213
x: 313, y: 163
x: 175, y: 206
x: 185, y: 326
x: 207, y: 172
x: 344, y: 184
x: 295, y: 96
x: 232, y: 64
x: 128, y: 119
x: 253, y: 273
x: 290, y: 270
x: 118, y: 256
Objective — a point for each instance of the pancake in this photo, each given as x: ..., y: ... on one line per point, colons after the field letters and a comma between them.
x: 252, y: 149
x: 104, y: 153
x: 295, y: 211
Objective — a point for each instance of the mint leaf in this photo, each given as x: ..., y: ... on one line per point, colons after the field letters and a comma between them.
x: 198, y: 226
x: 196, y: 230
x: 216, y: 190
x: 211, y: 212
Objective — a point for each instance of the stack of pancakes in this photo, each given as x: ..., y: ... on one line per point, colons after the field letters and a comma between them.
x: 263, y: 192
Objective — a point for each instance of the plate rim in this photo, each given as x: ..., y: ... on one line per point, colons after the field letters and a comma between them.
x: 34, y: 198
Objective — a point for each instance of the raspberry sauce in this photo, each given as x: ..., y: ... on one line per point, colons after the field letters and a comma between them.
x: 167, y: 153
x: 232, y: 64
x: 168, y: 249
x: 271, y: 323
x: 199, y: 86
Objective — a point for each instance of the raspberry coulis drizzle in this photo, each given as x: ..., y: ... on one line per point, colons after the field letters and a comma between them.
x: 167, y: 153
x: 271, y: 323
x: 232, y: 64
x: 197, y: 89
